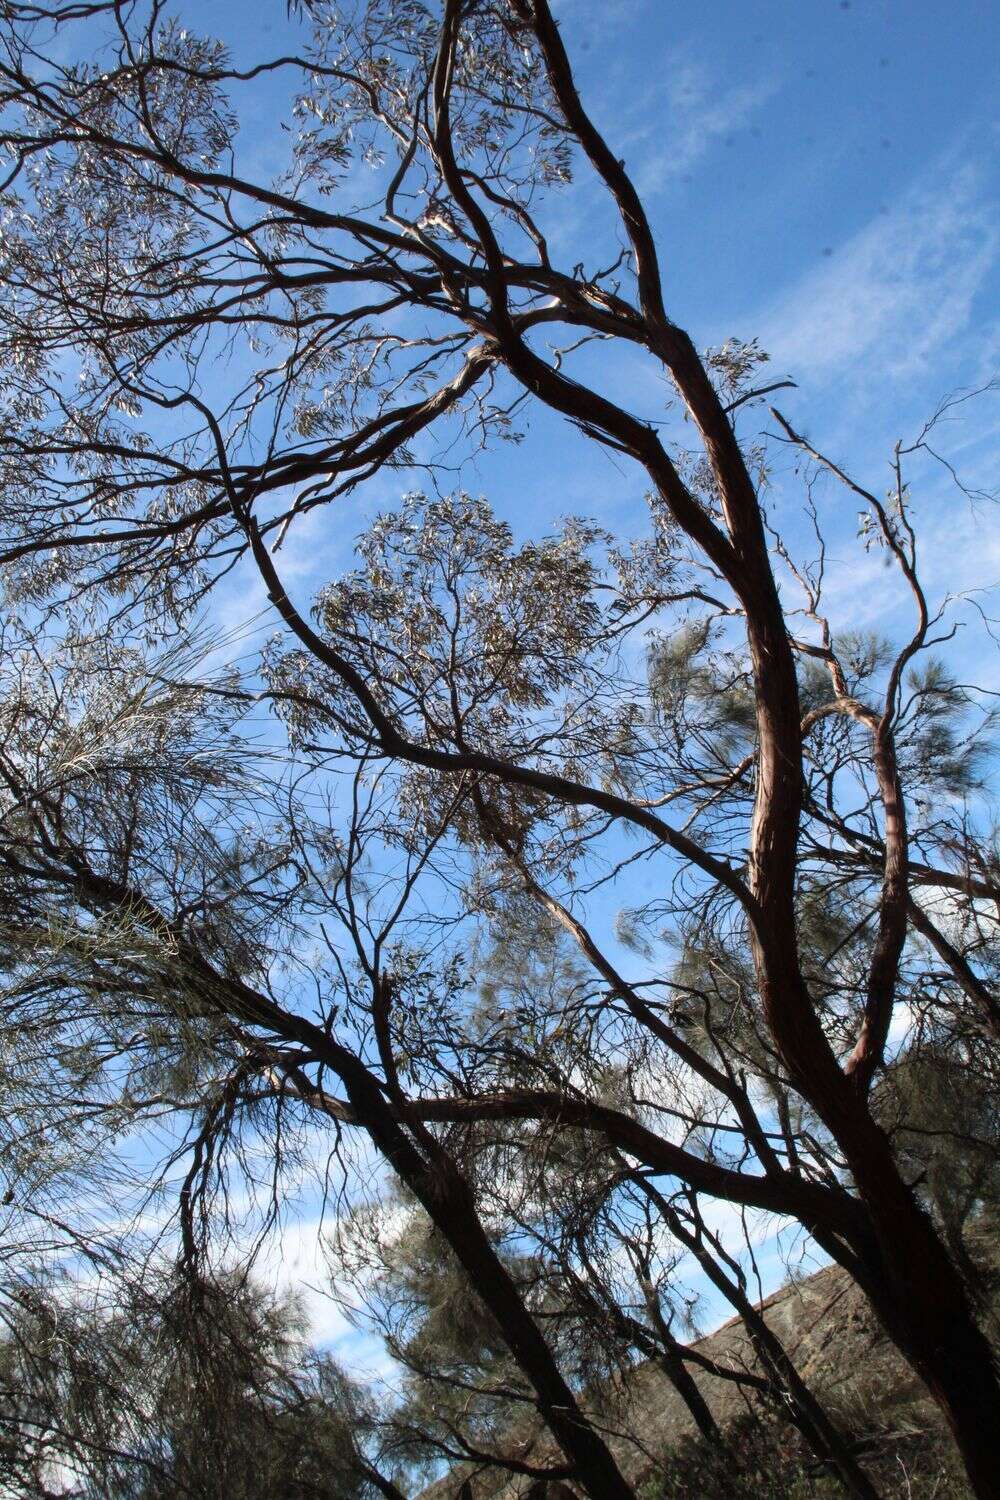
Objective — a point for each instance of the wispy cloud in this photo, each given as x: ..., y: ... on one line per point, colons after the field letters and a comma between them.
x: 898, y: 291
x: 686, y: 119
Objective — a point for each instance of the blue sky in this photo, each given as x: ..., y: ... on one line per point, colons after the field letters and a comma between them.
x: 820, y: 175
x: 799, y: 125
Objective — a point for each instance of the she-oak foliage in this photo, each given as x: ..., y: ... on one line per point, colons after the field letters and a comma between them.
x: 343, y: 898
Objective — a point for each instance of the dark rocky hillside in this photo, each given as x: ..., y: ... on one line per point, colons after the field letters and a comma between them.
x: 827, y: 1327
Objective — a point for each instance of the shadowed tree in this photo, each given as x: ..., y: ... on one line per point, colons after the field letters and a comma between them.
x: 177, y: 1388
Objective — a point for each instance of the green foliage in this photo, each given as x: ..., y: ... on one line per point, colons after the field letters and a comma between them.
x: 944, y: 1114
x: 704, y: 689
x: 174, y: 1389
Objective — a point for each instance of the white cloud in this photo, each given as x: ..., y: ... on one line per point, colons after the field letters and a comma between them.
x: 904, y: 1017
x: 701, y: 125
x: 296, y: 1259
x: 898, y: 291
x: 695, y: 114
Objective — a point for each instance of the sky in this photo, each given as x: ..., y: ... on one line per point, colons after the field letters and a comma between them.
x: 820, y: 176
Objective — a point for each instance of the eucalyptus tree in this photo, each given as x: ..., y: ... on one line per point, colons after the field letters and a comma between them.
x: 199, y: 364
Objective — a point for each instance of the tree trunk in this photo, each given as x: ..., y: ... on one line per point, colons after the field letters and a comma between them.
x: 448, y: 1200
x: 805, y: 1409
x: 921, y: 1298
x: 687, y: 1388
